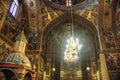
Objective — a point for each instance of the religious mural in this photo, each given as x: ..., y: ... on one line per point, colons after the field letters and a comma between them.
x: 90, y: 13
x: 109, y: 39
x: 34, y: 61
x: 47, y: 15
x: 10, y: 28
x: 113, y: 65
x: 13, y: 25
x: 5, y: 49
x: 33, y: 41
x: 1, y: 12
x: 113, y: 61
x: 32, y: 13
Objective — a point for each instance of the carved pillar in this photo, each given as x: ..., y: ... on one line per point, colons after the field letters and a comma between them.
x: 39, y: 73
x: 103, y: 67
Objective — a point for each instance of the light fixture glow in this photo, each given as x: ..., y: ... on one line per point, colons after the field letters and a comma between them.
x: 88, y: 68
x: 72, y: 50
x: 53, y: 69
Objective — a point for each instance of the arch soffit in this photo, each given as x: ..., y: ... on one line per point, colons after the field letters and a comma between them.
x: 76, y: 19
x: 9, y: 70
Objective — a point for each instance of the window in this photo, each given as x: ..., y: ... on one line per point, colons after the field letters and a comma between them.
x: 14, y: 8
x: 68, y: 2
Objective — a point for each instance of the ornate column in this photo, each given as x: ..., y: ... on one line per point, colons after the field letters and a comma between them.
x: 39, y: 73
x: 103, y: 66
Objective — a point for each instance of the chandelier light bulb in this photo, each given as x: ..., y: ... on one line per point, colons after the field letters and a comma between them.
x: 77, y: 40
x: 79, y: 47
x: 68, y: 40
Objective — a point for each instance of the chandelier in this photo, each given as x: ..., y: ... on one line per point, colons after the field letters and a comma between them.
x: 72, y: 50
x: 73, y: 46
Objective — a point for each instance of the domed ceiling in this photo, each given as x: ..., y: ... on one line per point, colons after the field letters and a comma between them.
x: 64, y: 4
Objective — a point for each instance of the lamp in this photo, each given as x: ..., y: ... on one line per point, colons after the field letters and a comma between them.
x: 53, y: 69
x: 88, y: 68
x: 72, y: 46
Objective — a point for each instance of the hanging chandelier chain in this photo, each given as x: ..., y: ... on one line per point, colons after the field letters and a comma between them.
x: 72, y: 22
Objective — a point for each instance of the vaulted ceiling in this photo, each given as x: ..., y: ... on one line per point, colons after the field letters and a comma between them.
x: 46, y: 16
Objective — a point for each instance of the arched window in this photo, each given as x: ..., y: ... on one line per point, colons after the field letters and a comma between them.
x: 14, y: 8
